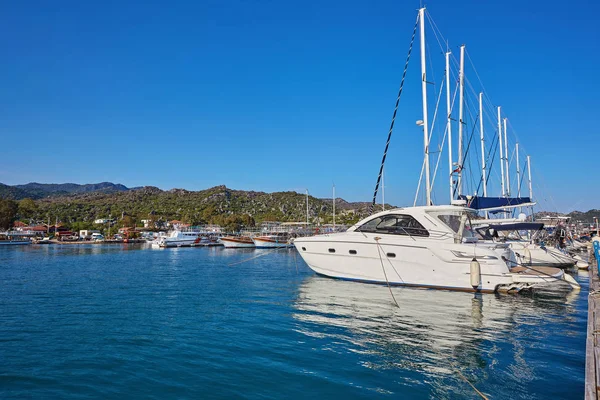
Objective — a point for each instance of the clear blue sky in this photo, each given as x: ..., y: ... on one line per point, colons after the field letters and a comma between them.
x: 285, y: 95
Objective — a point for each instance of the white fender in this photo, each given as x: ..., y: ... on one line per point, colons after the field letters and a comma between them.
x: 475, y: 273
x: 571, y: 281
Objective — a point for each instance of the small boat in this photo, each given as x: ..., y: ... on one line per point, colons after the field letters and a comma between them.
x: 237, y: 242
x: 272, y: 241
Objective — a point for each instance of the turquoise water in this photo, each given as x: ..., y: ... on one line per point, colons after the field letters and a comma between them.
x: 132, y: 322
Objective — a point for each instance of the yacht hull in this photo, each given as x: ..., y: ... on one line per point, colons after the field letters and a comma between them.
x: 235, y: 243
x: 406, y: 261
x: 269, y: 243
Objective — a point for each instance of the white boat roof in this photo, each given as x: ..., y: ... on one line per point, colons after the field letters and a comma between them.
x: 418, y: 212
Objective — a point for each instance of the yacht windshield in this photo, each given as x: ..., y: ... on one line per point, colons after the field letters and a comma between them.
x: 458, y: 221
x: 395, y: 224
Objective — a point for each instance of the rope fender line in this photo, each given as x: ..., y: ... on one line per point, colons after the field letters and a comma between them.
x: 387, y: 144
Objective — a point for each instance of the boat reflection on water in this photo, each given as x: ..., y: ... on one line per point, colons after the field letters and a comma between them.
x: 436, y: 336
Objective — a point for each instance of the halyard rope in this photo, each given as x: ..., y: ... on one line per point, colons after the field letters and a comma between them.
x: 387, y: 144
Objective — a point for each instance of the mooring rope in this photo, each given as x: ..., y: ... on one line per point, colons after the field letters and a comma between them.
x: 260, y: 255
x: 387, y: 144
x: 384, y: 274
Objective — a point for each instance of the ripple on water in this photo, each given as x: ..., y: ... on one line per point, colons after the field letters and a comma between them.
x: 104, y: 321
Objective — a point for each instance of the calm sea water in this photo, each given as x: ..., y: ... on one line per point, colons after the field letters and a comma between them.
x: 132, y: 322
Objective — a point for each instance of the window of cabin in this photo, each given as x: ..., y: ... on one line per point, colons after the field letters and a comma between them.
x: 394, y: 224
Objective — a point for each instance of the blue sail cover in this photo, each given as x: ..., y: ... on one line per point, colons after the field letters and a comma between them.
x: 482, y: 203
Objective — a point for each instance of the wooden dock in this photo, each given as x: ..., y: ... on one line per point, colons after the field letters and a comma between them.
x: 592, y: 346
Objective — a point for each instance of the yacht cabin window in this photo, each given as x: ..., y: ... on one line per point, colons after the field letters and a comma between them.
x: 458, y: 221
x: 395, y: 224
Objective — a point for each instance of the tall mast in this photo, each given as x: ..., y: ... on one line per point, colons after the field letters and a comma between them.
x: 518, y: 172
x: 530, y: 188
x: 461, y: 78
x: 500, y: 147
x: 506, y: 160
x: 449, y: 124
x: 483, y: 166
x: 529, y: 175
x: 334, y: 206
x: 518, y: 175
x: 424, y: 89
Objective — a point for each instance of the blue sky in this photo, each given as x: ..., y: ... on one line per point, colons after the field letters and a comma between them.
x: 272, y: 96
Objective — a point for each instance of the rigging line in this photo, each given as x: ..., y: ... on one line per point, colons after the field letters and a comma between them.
x: 258, y: 256
x: 419, y: 185
x: 466, y: 152
x: 434, y: 29
x: 437, y: 106
x: 387, y: 144
x: 494, y: 141
x: 437, y: 162
x: 522, y: 175
x: 493, y: 158
x: 383, y: 268
x: 444, y: 138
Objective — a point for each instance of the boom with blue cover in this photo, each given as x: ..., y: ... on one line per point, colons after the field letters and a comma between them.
x: 483, y: 203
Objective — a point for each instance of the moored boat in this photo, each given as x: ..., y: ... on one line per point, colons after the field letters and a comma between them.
x: 14, y: 238
x: 272, y: 241
x: 177, y: 239
x: 430, y: 246
x: 237, y: 242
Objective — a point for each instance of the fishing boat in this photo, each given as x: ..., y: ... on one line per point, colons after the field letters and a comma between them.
x: 425, y: 246
x: 272, y: 241
x: 237, y: 242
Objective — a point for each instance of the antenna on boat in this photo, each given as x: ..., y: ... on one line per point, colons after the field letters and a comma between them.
x: 424, y: 90
x: 461, y: 78
x: 483, y: 166
x: 500, y: 147
x: 449, y: 124
x: 506, y: 159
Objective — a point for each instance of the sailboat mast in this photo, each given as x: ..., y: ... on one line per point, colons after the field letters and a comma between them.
x: 506, y: 160
x: 518, y: 171
x: 461, y: 78
x: 449, y: 124
x: 424, y: 90
x: 518, y: 175
x: 483, y: 166
x: 500, y: 147
x: 529, y: 175
x: 530, y: 187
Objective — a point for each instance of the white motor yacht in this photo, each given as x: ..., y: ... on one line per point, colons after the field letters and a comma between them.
x: 429, y: 246
x: 177, y: 239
